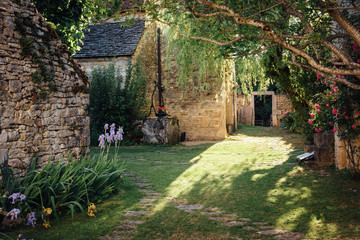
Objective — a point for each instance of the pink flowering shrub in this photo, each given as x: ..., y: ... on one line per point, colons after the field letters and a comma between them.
x: 335, y: 111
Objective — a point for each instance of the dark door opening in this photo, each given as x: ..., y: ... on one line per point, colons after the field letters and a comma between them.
x: 263, y: 110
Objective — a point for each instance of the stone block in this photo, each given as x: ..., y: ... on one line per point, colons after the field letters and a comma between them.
x: 161, y: 130
x: 3, y: 155
x: 323, y: 156
x: 309, y: 148
x: 13, y: 136
x: 323, y: 139
x: 3, y: 136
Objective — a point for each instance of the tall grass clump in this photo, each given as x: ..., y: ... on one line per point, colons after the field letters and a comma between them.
x: 61, y: 188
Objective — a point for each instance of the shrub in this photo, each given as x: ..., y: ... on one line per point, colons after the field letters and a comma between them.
x: 115, y: 100
x: 62, y: 187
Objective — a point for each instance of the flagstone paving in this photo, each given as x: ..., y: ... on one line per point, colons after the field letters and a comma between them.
x: 128, y: 228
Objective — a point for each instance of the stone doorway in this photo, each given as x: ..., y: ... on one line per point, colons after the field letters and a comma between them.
x: 246, y: 107
x: 257, y: 107
x: 263, y: 110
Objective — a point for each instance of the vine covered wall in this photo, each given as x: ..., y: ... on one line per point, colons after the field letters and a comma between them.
x: 43, y: 92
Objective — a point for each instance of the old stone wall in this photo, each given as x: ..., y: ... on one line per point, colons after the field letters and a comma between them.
x: 283, y: 104
x: 202, y: 115
x: 43, y: 92
x: 246, y: 108
x: 120, y: 63
x: 245, y: 111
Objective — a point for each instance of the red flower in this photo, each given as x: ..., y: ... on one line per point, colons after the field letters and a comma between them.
x: 353, y: 126
x: 318, y: 76
x: 355, y: 47
x: 334, y: 111
x: 334, y: 130
x: 335, y: 90
x: 317, y: 106
x: 328, y: 105
x: 318, y: 110
x: 311, y: 115
x: 346, y: 117
x: 331, y: 124
x: 310, y: 122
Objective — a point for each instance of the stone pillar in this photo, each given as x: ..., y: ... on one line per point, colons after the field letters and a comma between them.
x: 161, y: 130
x: 340, y: 153
x: 324, y: 149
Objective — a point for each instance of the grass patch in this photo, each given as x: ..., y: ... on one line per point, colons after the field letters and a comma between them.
x: 252, y: 174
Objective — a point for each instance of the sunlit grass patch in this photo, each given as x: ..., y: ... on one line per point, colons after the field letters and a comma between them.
x: 247, y: 175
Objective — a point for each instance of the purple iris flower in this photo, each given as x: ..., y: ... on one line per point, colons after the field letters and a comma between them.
x: 13, y: 213
x: 22, y: 197
x: 31, y: 219
x: 102, y: 140
x: 119, y: 135
x: 14, y: 196
x: 108, y: 137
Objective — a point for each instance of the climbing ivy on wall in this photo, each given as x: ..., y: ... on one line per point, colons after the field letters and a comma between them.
x: 36, y: 51
x: 37, y: 44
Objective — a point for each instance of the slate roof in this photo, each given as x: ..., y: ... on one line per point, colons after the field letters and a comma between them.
x: 111, y: 40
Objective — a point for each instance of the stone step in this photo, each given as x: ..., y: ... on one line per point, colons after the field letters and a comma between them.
x: 234, y: 223
x: 148, y: 199
x: 212, y: 213
x: 126, y: 226
x: 136, y: 213
x: 189, y: 207
x: 221, y: 219
x: 272, y: 232
x: 130, y: 221
x: 126, y: 232
x: 142, y: 184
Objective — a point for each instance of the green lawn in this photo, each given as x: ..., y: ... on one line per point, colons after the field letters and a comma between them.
x: 253, y: 174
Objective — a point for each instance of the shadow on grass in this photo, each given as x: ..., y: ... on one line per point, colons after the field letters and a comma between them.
x: 251, y: 174
x: 316, y: 202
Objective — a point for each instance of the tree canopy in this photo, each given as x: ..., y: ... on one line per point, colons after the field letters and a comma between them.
x: 322, y: 35
x: 70, y: 17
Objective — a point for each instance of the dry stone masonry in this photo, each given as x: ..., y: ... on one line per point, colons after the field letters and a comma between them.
x: 43, y: 92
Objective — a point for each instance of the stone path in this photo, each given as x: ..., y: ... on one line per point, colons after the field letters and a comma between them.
x: 128, y: 228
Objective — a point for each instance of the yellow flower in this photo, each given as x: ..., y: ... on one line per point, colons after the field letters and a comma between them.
x: 46, y: 224
x: 90, y: 213
x: 92, y: 207
x: 47, y: 211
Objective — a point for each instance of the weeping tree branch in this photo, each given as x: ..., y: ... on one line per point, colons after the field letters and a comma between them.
x: 327, y: 76
x: 308, y: 46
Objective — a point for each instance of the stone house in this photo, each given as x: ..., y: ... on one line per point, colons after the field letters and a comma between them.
x: 206, y: 117
x: 43, y: 92
x: 109, y: 43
